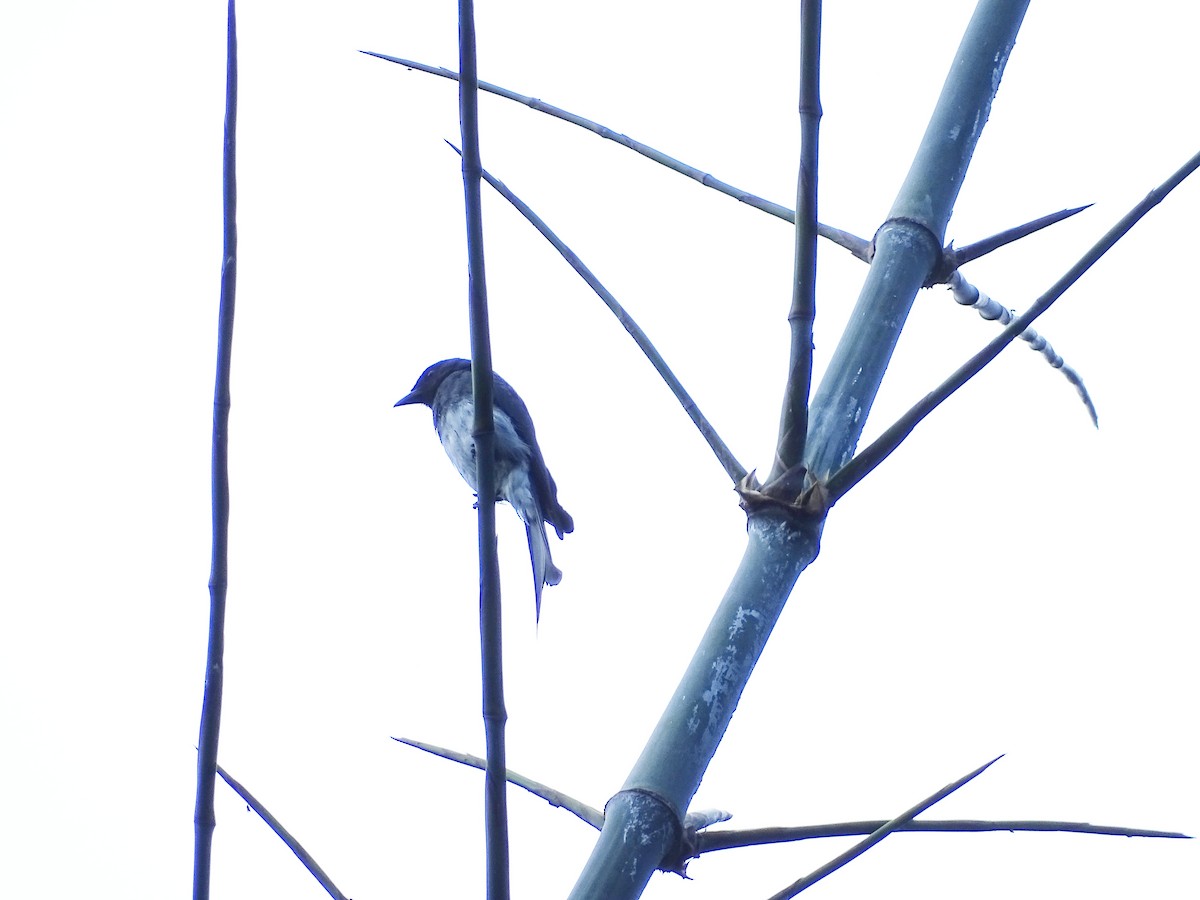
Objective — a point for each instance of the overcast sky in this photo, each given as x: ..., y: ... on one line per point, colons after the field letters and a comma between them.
x: 1012, y: 581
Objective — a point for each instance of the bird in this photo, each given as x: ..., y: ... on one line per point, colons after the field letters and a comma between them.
x: 522, y: 478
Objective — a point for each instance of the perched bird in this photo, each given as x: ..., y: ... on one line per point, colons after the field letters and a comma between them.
x: 521, y: 475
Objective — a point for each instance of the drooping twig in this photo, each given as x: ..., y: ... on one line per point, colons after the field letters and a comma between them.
x: 588, y: 814
x: 793, y: 419
x: 294, y: 845
x: 967, y: 294
x: 876, y: 836
x: 214, y: 672
x: 862, y: 464
x: 724, y: 455
x: 853, y: 243
x: 495, y: 716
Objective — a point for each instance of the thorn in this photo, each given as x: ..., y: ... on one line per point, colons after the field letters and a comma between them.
x: 974, y: 251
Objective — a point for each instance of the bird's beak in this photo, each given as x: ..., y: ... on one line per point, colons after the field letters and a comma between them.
x: 408, y: 399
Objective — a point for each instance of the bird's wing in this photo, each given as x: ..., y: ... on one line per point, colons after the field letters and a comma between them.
x: 514, y: 407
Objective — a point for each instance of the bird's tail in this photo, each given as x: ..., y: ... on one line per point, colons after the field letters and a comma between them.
x: 544, y: 570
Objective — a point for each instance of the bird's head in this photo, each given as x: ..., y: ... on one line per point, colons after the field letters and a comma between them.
x: 431, y: 379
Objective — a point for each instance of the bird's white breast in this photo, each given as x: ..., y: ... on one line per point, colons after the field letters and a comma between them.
x: 511, y: 453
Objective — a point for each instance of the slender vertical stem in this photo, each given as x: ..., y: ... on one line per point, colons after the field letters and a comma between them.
x: 210, y: 713
x: 793, y: 421
x: 494, y: 714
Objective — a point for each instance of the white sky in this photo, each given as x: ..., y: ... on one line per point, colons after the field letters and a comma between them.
x: 1011, y: 581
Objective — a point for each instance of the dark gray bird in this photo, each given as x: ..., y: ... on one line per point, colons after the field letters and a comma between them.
x: 521, y: 475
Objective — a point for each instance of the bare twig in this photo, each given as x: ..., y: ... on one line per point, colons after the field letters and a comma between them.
x: 214, y: 672
x: 856, y: 245
x: 294, y: 845
x: 495, y: 716
x: 588, y: 814
x: 859, y: 467
x: 711, y: 841
x: 877, y: 835
x: 724, y: 455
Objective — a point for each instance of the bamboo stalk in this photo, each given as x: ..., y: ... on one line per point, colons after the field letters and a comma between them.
x: 214, y: 671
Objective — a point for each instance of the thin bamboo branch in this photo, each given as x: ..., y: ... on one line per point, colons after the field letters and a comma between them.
x: 218, y: 582
x: 554, y: 797
x: 793, y: 419
x: 724, y: 455
x: 866, y: 461
x: 712, y: 841
x: 876, y: 836
x: 276, y: 826
x: 495, y: 716
x: 856, y: 245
